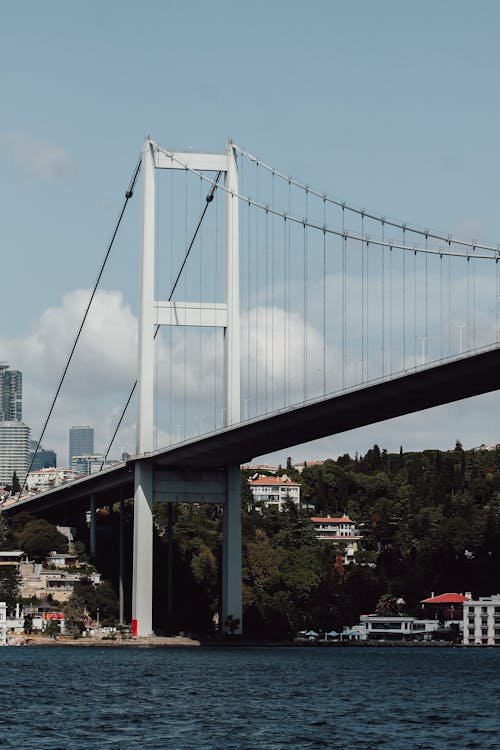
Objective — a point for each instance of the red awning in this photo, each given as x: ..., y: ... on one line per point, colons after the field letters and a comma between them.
x: 446, y: 599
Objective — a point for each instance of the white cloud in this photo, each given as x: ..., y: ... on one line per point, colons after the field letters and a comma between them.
x: 104, y: 368
x: 40, y: 158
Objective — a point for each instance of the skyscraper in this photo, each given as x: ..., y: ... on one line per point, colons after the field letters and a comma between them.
x: 14, y: 447
x: 11, y: 394
x: 42, y: 459
x: 81, y: 442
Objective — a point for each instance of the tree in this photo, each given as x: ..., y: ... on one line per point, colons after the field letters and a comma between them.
x: 16, y: 486
x: 52, y: 629
x: 39, y: 537
x: 28, y: 624
x: 10, y: 581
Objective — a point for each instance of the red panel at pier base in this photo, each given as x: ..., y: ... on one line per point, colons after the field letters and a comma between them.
x: 134, y: 627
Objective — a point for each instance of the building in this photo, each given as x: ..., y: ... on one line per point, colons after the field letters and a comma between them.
x: 335, y: 529
x: 14, y: 450
x: 11, y: 394
x: 481, y: 621
x: 90, y: 464
x: 12, y: 557
x: 47, y: 479
x: 446, y: 607
x: 395, y: 628
x: 42, y: 459
x: 81, y: 442
x: 274, y: 492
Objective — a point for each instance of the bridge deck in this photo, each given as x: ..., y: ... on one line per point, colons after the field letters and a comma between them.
x: 410, y: 392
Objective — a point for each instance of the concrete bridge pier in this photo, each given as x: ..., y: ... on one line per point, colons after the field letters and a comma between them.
x: 142, y: 571
x: 184, y: 485
x: 231, y: 553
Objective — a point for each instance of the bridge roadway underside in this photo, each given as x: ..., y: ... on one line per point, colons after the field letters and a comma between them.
x: 452, y: 381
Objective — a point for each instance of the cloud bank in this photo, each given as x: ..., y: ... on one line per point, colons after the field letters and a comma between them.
x: 41, y: 159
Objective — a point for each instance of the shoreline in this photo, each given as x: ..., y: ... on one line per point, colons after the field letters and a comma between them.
x: 227, y: 642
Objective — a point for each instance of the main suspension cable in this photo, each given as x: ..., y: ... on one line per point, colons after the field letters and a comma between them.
x: 362, y: 212
x: 389, y: 244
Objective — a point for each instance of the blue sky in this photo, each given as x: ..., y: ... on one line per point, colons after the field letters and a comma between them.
x: 393, y: 106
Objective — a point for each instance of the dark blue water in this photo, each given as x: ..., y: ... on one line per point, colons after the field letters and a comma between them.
x: 264, y: 699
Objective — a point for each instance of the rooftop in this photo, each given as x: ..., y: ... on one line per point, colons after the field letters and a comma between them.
x: 446, y: 599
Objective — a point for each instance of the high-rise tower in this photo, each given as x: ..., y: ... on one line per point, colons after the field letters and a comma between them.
x: 81, y: 442
x: 11, y: 394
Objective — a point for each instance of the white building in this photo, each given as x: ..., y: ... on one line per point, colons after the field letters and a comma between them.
x: 14, y: 449
x: 9, y: 626
x: 47, y: 479
x: 91, y: 464
x: 335, y: 529
x: 482, y: 621
x: 274, y: 492
x: 396, y: 628
x: 3, y: 624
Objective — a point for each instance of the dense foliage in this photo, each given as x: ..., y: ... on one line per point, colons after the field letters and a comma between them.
x: 430, y: 521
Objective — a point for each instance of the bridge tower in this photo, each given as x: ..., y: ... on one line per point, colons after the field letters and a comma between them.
x: 152, y: 313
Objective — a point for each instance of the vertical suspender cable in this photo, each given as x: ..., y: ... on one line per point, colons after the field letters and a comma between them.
x: 441, y: 301
x: 426, y: 341
x: 449, y: 302
x: 390, y: 310
x: 404, y: 299
x: 266, y: 317
x: 305, y: 312
x: 415, y: 272
x: 324, y: 296
x: 363, y: 295
x: 344, y: 258
x: 272, y: 292
x: 382, y: 299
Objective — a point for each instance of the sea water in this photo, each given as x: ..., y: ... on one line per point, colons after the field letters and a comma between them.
x: 75, y: 698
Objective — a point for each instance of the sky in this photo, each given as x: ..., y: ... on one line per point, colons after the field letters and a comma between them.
x: 392, y: 106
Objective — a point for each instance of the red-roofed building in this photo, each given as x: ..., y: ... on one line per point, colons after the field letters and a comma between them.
x: 447, y: 606
x: 274, y: 491
x: 341, y: 529
x: 335, y: 529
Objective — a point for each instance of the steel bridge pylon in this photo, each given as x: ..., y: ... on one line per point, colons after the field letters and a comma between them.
x: 153, y: 313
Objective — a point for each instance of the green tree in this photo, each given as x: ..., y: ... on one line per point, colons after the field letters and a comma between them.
x: 28, y: 623
x: 16, y: 486
x: 39, y: 537
x: 10, y: 581
x: 52, y: 629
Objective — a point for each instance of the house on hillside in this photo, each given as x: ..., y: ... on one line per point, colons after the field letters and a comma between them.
x: 338, y: 530
x: 274, y: 492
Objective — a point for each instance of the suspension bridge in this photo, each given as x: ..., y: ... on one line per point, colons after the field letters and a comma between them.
x: 271, y: 314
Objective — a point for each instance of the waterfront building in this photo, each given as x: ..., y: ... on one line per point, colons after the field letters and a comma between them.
x: 274, y: 492
x: 396, y: 628
x: 481, y: 621
x: 14, y: 449
x: 81, y: 442
x: 11, y: 394
x: 446, y: 607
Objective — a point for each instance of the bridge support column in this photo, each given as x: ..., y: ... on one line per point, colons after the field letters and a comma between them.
x: 142, y: 574
x: 231, y: 553
x: 121, y: 573
x: 92, y: 544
